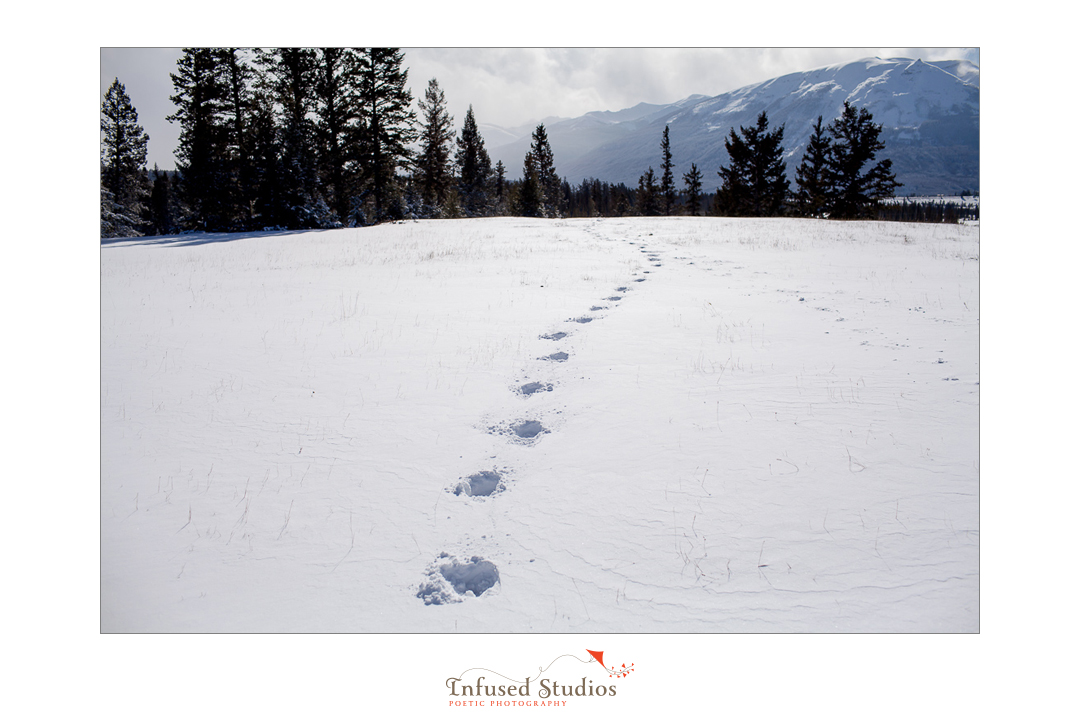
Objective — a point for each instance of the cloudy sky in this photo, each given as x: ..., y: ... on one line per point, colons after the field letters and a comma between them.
x: 511, y: 87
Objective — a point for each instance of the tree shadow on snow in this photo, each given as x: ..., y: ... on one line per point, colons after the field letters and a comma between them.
x: 192, y: 239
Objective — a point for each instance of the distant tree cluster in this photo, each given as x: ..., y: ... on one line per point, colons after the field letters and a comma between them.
x: 837, y: 177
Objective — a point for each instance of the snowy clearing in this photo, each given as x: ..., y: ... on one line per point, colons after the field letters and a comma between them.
x: 499, y: 425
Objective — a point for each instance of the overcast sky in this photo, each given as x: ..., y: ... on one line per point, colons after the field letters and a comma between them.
x: 511, y: 87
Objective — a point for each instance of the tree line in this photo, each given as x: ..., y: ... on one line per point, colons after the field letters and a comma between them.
x: 837, y: 177
x: 296, y: 138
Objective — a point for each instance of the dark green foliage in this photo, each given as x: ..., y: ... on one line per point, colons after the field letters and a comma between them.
x: 667, y: 179
x: 436, y: 135
x: 289, y: 78
x: 754, y: 181
x: 548, y: 182
x: 162, y: 205
x: 648, y: 202
x: 813, y: 176
x: 123, y: 165
x: 530, y: 193
x: 474, y: 169
x: 855, y: 191
x: 692, y: 181
x: 337, y: 126
x: 388, y: 129
x: 202, y: 154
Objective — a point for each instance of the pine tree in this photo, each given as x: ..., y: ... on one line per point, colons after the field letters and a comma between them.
x: 855, y: 142
x: 289, y: 77
x: 692, y: 180
x: 474, y: 168
x: 123, y: 164
x: 648, y: 202
x: 201, y: 156
x: 436, y: 136
x: 337, y: 126
x: 813, y: 176
x: 667, y: 179
x: 388, y: 127
x: 754, y: 182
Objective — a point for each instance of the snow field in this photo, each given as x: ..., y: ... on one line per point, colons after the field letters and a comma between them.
x: 765, y: 425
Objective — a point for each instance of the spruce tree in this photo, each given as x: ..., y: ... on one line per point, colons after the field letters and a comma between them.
x: 855, y: 143
x: 692, y: 181
x: 388, y: 127
x: 813, y: 176
x: 530, y: 200
x: 474, y: 168
x: 754, y: 181
x: 648, y: 202
x: 667, y: 179
x: 436, y: 135
x: 123, y: 164
x: 549, y: 183
x: 500, y: 188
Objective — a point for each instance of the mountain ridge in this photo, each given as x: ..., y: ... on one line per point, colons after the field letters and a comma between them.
x: 929, y: 111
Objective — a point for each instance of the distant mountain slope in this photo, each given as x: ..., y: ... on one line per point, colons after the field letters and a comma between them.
x: 930, y: 114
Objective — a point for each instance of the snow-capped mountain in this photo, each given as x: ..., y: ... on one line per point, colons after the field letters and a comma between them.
x: 929, y: 112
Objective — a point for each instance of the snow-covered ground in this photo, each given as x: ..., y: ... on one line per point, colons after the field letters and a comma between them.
x: 758, y: 425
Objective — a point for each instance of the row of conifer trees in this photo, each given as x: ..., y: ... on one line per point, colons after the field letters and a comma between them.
x: 307, y: 138
x: 297, y: 138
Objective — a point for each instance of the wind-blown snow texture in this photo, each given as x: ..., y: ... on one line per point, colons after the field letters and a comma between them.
x: 775, y: 430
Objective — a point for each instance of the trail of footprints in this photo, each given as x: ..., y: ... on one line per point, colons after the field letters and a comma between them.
x: 450, y: 579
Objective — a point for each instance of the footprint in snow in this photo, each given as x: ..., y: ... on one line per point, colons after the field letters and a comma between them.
x: 581, y: 320
x: 451, y: 580
x: 535, y: 387
x: 556, y: 357
x: 522, y: 432
x: 553, y: 336
x: 482, y: 484
x: 615, y: 298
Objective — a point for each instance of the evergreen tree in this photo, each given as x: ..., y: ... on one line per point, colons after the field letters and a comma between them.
x: 549, y: 183
x: 289, y: 78
x: 530, y: 200
x: 436, y: 135
x: 161, y: 204
x: 337, y: 126
x: 387, y: 127
x: 667, y: 179
x: 813, y: 176
x: 474, y: 168
x: 237, y: 78
x: 201, y: 156
x: 692, y: 181
x: 754, y: 182
x: 500, y: 188
x: 647, y: 201
x: 123, y: 164
x: 855, y: 143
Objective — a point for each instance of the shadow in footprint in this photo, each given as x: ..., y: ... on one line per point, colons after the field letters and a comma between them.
x: 557, y: 357
x: 481, y: 484
x: 553, y: 336
x: 453, y: 581
x: 535, y: 387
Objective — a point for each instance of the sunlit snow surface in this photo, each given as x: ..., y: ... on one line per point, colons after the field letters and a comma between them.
x: 766, y: 425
